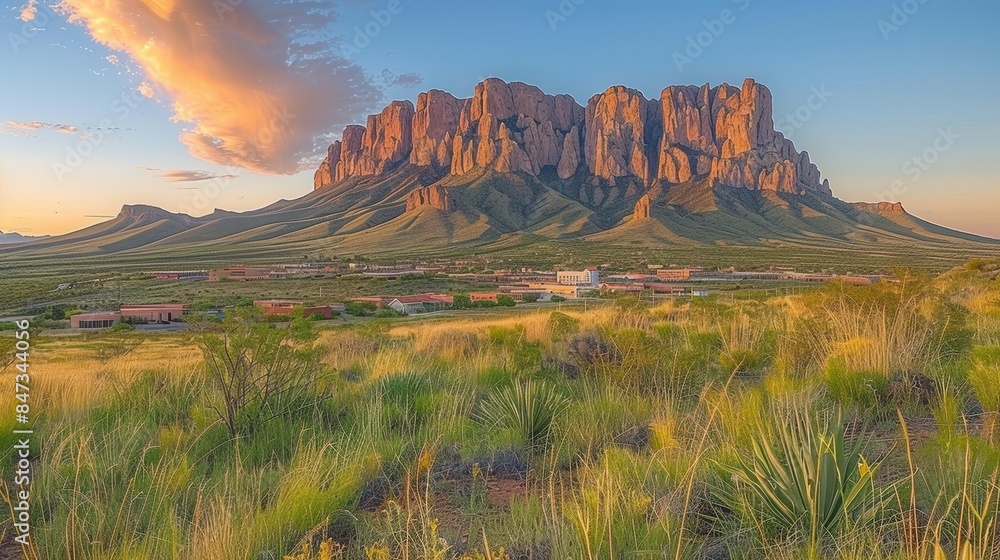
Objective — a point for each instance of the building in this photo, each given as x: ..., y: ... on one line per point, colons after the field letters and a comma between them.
x: 587, y: 277
x: 94, y: 320
x: 393, y: 274
x: 240, y: 273
x: 484, y: 296
x: 182, y: 275
x: 549, y: 290
x: 620, y: 288
x: 679, y: 274
x: 423, y: 303
x: 324, y: 311
x: 277, y: 306
x: 287, y: 307
x: 699, y: 293
x: 660, y: 289
x: 519, y: 296
x: 158, y: 313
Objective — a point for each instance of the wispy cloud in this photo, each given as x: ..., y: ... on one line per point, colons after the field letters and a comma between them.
x: 17, y: 128
x: 187, y: 175
x: 262, y: 84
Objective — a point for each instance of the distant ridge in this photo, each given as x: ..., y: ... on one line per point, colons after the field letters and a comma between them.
x: 699, y: 166
x: 13, y: 237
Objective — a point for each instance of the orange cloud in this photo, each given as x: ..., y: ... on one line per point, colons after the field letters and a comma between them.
x: 259, y: 82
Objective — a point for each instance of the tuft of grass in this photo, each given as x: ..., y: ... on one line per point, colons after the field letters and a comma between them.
x: 527, y: 407
x: 807, y: 481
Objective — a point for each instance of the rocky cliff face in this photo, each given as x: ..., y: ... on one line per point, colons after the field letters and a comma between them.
x: 724, y: 135
x: 434, y: 196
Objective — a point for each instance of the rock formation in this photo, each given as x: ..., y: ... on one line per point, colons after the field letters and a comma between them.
x: 880, y: 207
x: 434, y: 196
x: 642, y: 208
x: 724, y: 136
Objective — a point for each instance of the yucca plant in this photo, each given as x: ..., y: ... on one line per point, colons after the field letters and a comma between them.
x: 807, y: 480
x: 527, y: 407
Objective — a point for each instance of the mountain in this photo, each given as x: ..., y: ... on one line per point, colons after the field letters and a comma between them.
x: 698, y: 166
x: 620, y: 139
x: 13, y: 237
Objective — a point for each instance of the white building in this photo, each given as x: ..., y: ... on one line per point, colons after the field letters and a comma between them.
x: 582, y: 278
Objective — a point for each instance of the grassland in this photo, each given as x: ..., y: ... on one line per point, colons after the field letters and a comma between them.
x: 139, y: 289
x: 622, y: 431
x: 35, y: 279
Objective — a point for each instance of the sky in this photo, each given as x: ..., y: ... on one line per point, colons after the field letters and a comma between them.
x: 193, y: 105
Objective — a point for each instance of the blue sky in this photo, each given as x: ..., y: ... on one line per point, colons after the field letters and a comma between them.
x: 923, y: 88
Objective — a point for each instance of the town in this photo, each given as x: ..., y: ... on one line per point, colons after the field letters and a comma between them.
x: 502, y: 287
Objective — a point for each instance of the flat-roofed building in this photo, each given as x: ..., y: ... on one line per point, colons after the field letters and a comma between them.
x: 484, y: 296
x: 156, y: 313
x: 280, y: 306
x: 588, y: 277
x: 519, y: 296
x: 680, y: 274
x: 94, y: 320
x: 240, y: 273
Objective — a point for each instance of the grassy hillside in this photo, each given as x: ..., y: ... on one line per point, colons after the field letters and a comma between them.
x: 492, y: 211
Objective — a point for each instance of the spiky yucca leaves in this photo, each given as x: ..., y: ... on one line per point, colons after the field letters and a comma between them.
x: 527, y: 407
x: 807, y: 480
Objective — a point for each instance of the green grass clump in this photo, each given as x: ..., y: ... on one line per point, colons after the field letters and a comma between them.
x: 806, y: 480
x: 526, y: 407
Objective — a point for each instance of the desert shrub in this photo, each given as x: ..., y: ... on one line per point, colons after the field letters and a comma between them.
x: 506, y: 301
x: 359, y: 309
x: 557, y: 299
x: 461, y: 301
x: 386, y: 313
x: 527, y: 407
x: 807, y: 482
x: 258, y: 371
x: 592, y: 349
x: 121, y: 327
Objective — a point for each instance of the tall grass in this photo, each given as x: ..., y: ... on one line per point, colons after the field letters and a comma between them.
x: 630, y: 414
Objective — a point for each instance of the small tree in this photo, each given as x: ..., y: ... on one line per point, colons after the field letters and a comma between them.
x: 259, y: 371
x: 359, y: 309
x: 461, y: 301
x: 506, y: 301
